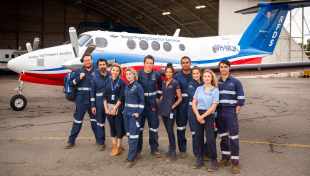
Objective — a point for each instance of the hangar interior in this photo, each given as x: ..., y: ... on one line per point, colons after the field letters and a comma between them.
x: 50, y: 19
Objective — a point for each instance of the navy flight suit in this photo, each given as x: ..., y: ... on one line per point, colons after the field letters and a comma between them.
x: 231, y: 95
x: 168, y: 114
x: 97, y: 96
x: 192, y: 86
x: 181, y: 114
x: 82, y: 103
x: 151, y: 83
x: 134, y: 103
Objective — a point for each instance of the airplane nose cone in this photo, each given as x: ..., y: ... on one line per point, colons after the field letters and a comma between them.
x: 15, y: 65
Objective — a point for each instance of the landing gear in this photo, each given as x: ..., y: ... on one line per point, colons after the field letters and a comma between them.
x: 18, y: 102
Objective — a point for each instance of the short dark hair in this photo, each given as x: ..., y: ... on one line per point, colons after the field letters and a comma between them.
x: 82, y: 59
x: 149, y: 57
x: 185, y: 57
x: 226, y: 62
x: 102, y: 60
x: 196, y: 68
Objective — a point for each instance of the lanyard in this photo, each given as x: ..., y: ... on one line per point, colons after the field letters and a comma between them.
x: 113, y: 87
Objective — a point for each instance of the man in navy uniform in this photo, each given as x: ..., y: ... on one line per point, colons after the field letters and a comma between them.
x: 98, y: 91
x: 83, y: 81
x: 231, y: 99
x: 183, y: 77
x: 150, y: 80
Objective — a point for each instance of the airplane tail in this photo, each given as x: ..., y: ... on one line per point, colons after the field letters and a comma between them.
x: 264, y: 31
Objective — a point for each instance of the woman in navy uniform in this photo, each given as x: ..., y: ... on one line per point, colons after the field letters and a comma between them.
x: 204, y: 104
x: 113, y: 106
x: 170, y: 99
x: 134, y: 105
x: 192, y: 86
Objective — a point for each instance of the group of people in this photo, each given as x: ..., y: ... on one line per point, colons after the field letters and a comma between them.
x: 190, y: 95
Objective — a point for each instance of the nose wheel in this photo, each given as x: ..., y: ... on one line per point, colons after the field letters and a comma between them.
x: 18, y: 102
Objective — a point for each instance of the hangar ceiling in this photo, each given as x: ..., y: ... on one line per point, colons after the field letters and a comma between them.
x: 194, y: 17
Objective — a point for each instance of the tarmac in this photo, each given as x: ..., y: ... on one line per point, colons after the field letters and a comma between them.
x: 274, y: 135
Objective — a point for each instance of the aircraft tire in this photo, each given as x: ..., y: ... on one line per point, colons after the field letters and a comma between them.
x: 18, y: 102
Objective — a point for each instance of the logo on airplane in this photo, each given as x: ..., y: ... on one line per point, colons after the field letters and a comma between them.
x: 276, y: 32
x: 221, y: 48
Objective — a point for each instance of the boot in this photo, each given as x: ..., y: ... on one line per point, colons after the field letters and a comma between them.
x: 235, y: 169
x: 224, y: 163
x: 213, y: 166
x: 114, y: 150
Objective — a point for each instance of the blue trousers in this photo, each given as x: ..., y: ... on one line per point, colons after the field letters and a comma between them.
x: 229, y: 133
x: 153, y: 123
x: 78, y: 116
x: 169, y: 125
x: 193, y: 125
x: 181, y: 121
x: 205, y: 129
x: 133, y: 137
x: 100, y: 122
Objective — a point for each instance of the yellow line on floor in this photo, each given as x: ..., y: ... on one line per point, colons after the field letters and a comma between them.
x: 307, y: 146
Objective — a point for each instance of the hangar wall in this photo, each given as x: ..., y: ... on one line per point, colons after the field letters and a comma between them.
x: 231, y: 23
x: 50, y: 21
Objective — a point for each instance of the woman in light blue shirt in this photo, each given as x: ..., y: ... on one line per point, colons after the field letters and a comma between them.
x: 204, y: 104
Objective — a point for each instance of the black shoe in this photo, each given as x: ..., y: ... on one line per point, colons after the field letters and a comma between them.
x: 69, y: 146
x: 183, y: 155
x: 130, y: 164
x: 156, y: 154
x: 213, y: 166
x: 173, y: 157
x: 101, y: 147
x: 198, y: 165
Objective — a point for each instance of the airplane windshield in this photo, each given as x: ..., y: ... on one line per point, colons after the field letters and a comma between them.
x: 83, y: 39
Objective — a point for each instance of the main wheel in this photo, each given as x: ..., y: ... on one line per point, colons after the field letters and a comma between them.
x: 18, y: 102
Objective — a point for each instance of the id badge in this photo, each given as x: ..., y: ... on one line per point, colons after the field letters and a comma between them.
x: 113, y: 97
x: 171, y: 116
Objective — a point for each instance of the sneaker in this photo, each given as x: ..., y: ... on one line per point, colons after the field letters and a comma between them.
x: 225, y: 163
x: 69, y: 146
x: 213, y: 166
x: 235, y: 169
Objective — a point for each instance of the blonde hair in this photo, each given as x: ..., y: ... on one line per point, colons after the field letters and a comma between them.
x: 214, y: 81
x: 133, y: 71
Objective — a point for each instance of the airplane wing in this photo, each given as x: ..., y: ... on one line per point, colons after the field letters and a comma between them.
x: 290, y: 4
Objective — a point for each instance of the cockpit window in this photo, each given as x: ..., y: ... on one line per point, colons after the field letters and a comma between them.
x: 83, y: 39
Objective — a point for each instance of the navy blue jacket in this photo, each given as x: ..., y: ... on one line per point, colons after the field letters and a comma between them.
x: 98, y: 88
x: 192, y: 86
x: 183, y: 80
x: 83, y: 86
x: 134, y: 99
x: 151, y: 84
x: 115, y: 90
x: 231, y: 92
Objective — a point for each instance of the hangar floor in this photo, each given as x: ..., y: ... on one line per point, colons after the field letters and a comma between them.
x: 274, y: 134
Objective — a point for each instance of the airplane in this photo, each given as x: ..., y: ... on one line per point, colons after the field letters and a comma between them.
x: 50, y: 65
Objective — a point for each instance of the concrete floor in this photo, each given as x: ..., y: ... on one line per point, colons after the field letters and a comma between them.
x: 274, y: 125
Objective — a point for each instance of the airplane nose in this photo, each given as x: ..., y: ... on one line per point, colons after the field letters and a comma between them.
x: 15, y: 65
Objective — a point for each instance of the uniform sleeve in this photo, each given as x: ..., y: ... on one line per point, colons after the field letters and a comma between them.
x: 122, y: 92
x: 76, y: 79
x: 196, y: 93
x: 93, y: 92
x: 73, y: 78
x: 216, y: 96
x: 240, y: 94
x: 140, y: 92
x: 159, y: 85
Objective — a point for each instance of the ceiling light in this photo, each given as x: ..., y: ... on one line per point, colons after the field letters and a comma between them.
x: 200, y: 7
x: 166, y: 13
